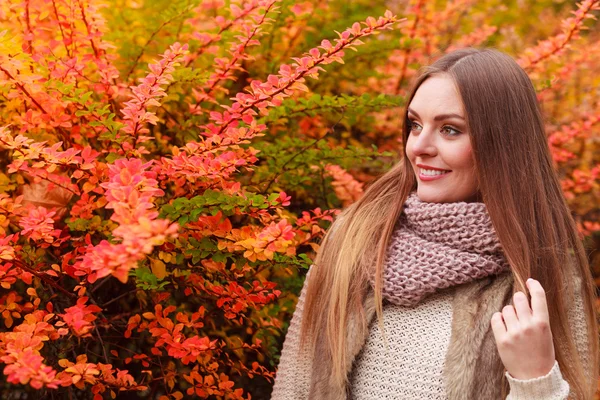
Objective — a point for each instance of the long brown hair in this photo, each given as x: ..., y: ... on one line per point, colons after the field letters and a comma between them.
x: 522, y: 193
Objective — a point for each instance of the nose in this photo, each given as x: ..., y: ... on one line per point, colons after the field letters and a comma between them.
x: 424, y: 144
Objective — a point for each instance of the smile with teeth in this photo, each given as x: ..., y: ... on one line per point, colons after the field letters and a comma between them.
x: 431, y: 172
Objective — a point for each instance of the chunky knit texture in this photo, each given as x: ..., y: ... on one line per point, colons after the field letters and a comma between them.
x: 438, y: 245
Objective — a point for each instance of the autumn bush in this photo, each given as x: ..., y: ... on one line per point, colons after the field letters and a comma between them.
x: 169, y: 167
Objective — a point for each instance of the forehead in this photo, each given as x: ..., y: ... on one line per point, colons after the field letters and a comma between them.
x: 437, y: 95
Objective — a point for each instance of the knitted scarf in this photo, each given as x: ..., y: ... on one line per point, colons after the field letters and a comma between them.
x: 439, y: 245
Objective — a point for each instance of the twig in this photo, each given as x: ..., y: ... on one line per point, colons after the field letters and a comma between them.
x: 118, y: 298
x: 156, y: 32
x: 101, y: 344
x: 413, y: 31
x: 101, y: 284
x: 49, y: 281
x: 282, y: 169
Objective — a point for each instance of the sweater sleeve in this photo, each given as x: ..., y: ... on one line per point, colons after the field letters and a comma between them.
x: 552, y: 386
x: 292, y: 381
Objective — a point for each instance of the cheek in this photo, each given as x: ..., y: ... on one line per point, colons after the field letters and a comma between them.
x: 408, y: 149
x: 462, y: 156
x: 462, y: 159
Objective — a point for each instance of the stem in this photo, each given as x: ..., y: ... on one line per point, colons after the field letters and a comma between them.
x: 28, y: 21
x: 62, y: 33
x: 282, y: 169
x: 101, y: 284
x: 569, y: 35
x: 118, y: 298
x: 22, y: 88
x: 234, y: 60
x: 101, y: 344
x: 96, y: 53
x: 290, y: 83
x: 44, y: 278
x: 152, y: 36
x: 201, y: 49
x: 413, y: 31
x: 34, y: 101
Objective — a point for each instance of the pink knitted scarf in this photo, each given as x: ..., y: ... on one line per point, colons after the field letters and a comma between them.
x: 439, y: 245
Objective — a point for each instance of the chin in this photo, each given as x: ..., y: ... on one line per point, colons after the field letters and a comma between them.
x: 427, y: 195
x: 431, y: 196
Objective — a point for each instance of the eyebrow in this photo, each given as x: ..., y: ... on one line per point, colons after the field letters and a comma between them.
x: 438, y: 117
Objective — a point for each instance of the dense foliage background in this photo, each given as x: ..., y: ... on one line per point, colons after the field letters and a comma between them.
x: 168, y: 168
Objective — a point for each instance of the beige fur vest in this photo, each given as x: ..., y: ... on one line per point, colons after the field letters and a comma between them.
x: 472, y: 345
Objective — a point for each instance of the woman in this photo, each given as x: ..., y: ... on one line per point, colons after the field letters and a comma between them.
x: 422, y: 288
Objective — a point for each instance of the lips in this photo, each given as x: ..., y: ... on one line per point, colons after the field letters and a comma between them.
x: 423, y: 166
x: 430, y: 175
x: 426, y: 173
x: 427, y: 178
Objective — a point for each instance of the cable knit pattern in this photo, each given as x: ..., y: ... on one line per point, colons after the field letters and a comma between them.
x: 459, y: 237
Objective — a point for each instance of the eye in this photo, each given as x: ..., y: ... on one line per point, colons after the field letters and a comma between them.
x: 413, y: 126
x: 450, y: 131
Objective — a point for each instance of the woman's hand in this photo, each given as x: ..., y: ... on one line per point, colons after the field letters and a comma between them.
x: 523, y: 334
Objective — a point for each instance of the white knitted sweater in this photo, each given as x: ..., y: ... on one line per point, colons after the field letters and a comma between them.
x: 411, y: 367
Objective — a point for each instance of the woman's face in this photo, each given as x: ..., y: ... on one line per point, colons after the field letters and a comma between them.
x: 438, y: 145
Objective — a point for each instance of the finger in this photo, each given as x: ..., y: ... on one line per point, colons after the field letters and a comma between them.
x: 522, y: 308
x: 539, y: 307
x: 510, y: 319
x: 498, y: 326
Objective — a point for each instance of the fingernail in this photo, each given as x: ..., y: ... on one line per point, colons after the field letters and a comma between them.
x: 530, y: 279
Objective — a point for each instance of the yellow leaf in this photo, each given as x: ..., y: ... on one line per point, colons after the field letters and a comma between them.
x: 63, y: 362
x: 148, y: 315
x: 166, y: 257
x: 158, y: 268
x: 177, y: 395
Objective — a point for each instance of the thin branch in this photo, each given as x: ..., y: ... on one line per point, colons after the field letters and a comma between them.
x: 413, y: 31
x: 101, y: 344
x: 156, y: 32
x: 44, y: 278
x: 118, y: 298
x: 63, y: 134
x: 62, y: 33
x: 98, y: 286
x: 282, y: 169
